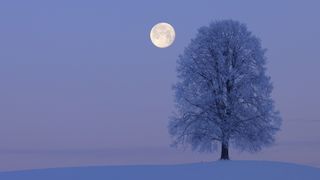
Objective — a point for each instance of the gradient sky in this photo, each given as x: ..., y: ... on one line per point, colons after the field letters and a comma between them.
x: 81, y: 83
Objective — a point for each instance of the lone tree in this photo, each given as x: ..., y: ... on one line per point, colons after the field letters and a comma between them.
x: 223, y: 94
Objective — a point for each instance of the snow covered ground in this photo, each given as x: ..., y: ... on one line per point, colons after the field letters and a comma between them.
x: 220, y: 170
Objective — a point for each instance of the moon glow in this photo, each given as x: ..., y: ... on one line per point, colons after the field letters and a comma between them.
x: 162, y: 35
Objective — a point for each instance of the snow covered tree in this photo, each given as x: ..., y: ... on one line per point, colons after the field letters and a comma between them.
x: 223, y: 95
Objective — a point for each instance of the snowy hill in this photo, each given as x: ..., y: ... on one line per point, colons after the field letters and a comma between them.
x: 222, y: 170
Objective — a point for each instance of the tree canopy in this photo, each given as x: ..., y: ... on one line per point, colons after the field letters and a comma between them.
x: 223, y: 94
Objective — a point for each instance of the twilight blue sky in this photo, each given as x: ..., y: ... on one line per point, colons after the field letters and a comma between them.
x: 81, y: 83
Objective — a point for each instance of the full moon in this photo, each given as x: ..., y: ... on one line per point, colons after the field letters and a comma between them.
x: 162, y: 35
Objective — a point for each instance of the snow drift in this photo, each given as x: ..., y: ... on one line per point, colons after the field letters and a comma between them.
x: 248, y: 170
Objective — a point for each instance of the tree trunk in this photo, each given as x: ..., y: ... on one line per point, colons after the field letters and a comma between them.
x: 224, y: 151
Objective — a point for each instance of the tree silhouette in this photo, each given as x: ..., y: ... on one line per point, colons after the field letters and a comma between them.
x: 223, y: 95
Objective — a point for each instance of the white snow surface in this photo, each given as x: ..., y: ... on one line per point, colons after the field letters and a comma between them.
x: 220, y: 170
